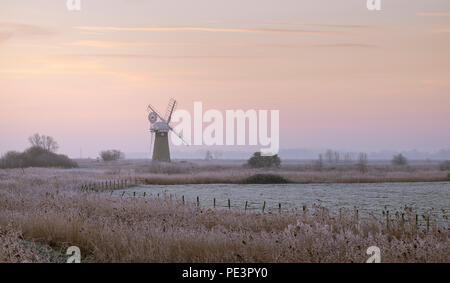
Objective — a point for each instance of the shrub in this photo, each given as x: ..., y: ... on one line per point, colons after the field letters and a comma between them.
x: 36, y: 157
x: 318, y: 165
x: 362, y: 162
x: 399, y: 160
x: 265, y: 179
x: 445, y: 165
x: 112, y: 155
x: 259, y: 161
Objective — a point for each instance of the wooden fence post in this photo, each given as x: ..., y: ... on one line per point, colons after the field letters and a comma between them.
x: 264, y: 206
x: 246, y: 203
x: 229, y: 204
x: 387, y: 219
x: 417, y: 221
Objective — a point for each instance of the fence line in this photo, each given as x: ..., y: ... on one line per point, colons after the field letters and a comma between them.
x: 114, y: 184
x: 117, y: 184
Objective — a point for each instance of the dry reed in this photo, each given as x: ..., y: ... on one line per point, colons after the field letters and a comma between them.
x: 46, y: 207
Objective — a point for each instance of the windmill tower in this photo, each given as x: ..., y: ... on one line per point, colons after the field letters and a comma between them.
x: 159, y: 129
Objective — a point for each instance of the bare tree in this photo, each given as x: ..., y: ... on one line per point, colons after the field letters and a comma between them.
x: 35, y: 140
x: 445, y: 165
x: 329, y: 155
x: 332, y: 156
x: 348, y: 157
x: 49, y: 143
x: 337, y: 157
x: 209, y: 155
x: 319, y: 163
x: 362, y: 162
x: 43, y: 141
x: 112, y: 155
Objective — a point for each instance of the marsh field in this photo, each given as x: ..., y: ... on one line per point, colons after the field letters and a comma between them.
x: 43, y: 211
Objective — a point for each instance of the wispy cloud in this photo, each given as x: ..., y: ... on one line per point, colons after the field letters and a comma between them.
x: 9, y: 30
x: 118, y: 44
x: 346, y: 45
x: 434, y: 14
x: 149, y: 56
x: 441, y: 30
x: 203, y: 29
x: 106, y: 44
x: 436, y: 82
x: 103, y: 44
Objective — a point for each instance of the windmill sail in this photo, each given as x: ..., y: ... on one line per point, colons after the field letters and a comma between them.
x: 170, y: 109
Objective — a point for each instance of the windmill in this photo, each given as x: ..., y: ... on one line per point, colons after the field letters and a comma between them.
x: 159, y: 129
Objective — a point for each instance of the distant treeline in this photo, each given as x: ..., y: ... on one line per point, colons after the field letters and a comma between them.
x: 36, y: 156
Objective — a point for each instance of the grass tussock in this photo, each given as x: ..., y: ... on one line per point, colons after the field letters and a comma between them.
x: 49, y: 210
x: 265, y: 179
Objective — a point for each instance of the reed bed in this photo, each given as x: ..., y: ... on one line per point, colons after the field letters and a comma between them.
x: 179, y: 173
x: 208, y: 173
x: 45, y: 207
x: 14, y: 249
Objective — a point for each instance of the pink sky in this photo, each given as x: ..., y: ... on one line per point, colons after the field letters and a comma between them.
x: 342, y: 77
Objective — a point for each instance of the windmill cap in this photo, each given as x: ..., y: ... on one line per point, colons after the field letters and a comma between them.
x: 160, y: 127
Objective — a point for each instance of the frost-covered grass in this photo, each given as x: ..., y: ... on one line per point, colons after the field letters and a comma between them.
x: 14, y: 249
x: 46, y: 207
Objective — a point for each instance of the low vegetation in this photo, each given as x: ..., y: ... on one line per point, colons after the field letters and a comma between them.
x: 362, y: 162
x: 225, y: 172
x: 445, y: 165
x: 112, y: 155
x: 399, y: 160
x: 45, y: 208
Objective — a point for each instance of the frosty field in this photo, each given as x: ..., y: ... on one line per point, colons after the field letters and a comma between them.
x: 44, y: 211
